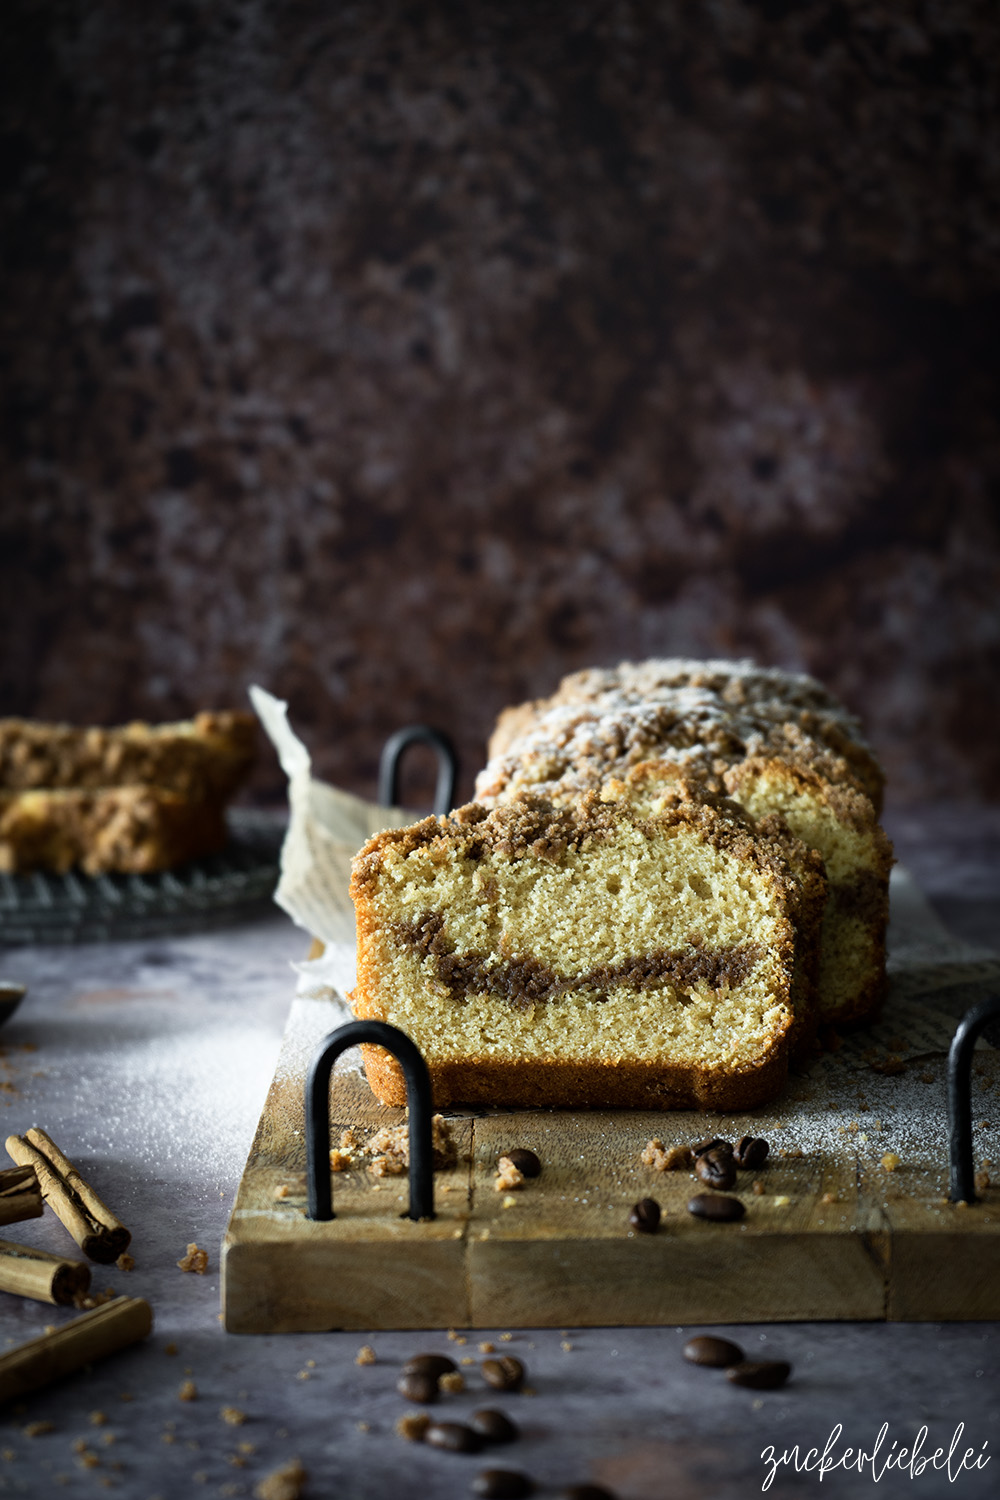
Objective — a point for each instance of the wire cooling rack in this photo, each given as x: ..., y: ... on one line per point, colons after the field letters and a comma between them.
x: 76, y: 908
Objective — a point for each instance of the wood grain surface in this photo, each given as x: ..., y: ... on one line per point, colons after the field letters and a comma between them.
x: 832, y: 1235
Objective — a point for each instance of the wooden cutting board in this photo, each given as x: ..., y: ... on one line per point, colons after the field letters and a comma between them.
x: 833, y: 1233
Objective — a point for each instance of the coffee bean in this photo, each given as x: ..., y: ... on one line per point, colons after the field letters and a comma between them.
x: 417, y: 1387
x: 526, y: 1162
x: 586, y: 1492
x: 504, y: 1374
x: 645, y: 1216
x: 711, y: 1143
x: 717, y: 1168
x: 502, y: 1484
x: 453, y: 1437
x: 760, y: 1375
x: 714, y: 1206
x: 751, y: 1152
x: 493, y: 1426
x: 434, y: 1365
x: 708, y: 1350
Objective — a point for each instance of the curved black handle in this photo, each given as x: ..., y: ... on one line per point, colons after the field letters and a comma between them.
x: 392, y: 754
x: 962, y: 1183
x: 418, y: 1099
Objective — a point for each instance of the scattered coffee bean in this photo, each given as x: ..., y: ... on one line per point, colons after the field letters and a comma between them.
x: 434, y: 1365
x: 494, y: 1427
x: 502, y: 1484
x: 453, y: 1437
x: 710, y: 1143
x: 752, y: 1152
x: 415, y: 1387
x: 714, y: 1206
x: 717, y: 1168
x: 586, y: 1492
x: 760, y: 1375
x: 526, y: 1162
x: 504, y: 1374
x: 709, y: 1350
x: 645, y: 1216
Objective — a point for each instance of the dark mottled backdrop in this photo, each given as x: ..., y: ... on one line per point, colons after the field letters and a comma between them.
x: 402, y: 357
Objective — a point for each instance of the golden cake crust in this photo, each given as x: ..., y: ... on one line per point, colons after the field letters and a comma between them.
x: 573, y: 1085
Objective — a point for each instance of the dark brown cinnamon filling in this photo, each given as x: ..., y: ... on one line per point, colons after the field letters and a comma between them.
x: 526, y: 981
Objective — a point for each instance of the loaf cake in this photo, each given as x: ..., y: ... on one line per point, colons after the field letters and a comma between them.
x: 587, y: 953
x: 777, y: 743
x: 131, y: 800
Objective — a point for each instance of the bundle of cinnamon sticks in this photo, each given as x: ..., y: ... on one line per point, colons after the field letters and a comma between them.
x: 44, y: 1175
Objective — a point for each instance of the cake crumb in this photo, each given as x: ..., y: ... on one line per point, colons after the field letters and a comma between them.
x: 889, y: 1066
x: 509, y: 1202
x: 505, y: 1338
x: 566, y: 1346
x: 349, y: 1140
x: 365, y: 1355
x: 758, y: 1188
x: 285, y: 1483
x: 829, y: 1198
x: 486, y: 1348
x: 125, y: 1262
x: 666, y: 1159
x: 340, y: 1161
x: 188, y: 1391
x: 39, y: 1429
x: 452, y: 1382
x: 232, y: 1416
x: 363, y: 1426
x: 890, y: 1161
x: 283, y: 1190
x: 388, y: 1166
x: 195, y: 1260
x: 509, y: 1176
x: 413, y: 1427
x: 982, y: 1181
x: 88, y: 1459
x: 782, y: 1201
x: 468, y: 1359
x: 98, y: 1419
x: 394, y: 1143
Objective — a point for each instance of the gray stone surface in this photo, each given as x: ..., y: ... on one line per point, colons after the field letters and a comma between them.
x: 151, y: 1062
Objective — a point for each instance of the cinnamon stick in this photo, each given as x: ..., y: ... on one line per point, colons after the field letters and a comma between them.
x: 20, y: 1195
x: 93, y: 1336
x: 91, y: 1223
x: 34, y: 1273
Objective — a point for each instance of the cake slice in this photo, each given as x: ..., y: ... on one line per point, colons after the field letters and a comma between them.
x: 204, y: 759
x: 582, y: 955
x: 131, y: 830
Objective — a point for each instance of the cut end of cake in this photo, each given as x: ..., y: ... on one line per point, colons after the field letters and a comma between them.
x: 586, y: 955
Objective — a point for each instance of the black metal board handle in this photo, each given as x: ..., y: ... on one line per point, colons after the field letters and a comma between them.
x: 418, y: 1099
x: 962, y: 1183
x: 447, y: 762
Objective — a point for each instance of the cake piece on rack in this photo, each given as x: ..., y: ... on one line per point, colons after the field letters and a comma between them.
x: 585, y: 954
x: 128, y: 800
